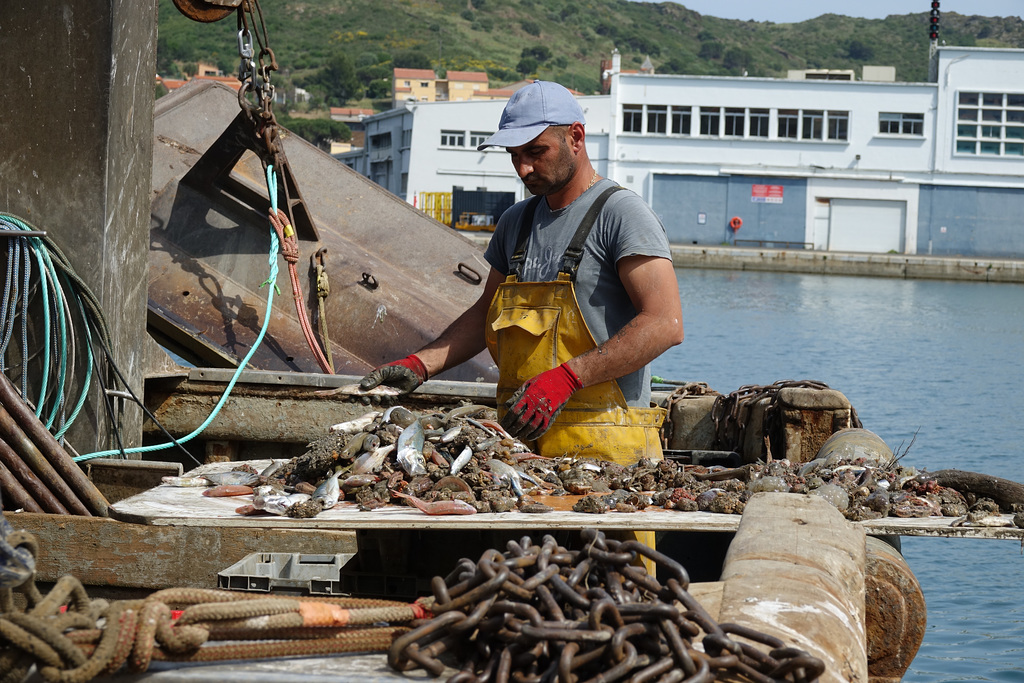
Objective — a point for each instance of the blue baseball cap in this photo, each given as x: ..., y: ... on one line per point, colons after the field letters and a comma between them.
x: 530, y: 111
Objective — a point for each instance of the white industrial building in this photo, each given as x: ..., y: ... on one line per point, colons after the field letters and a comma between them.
x: 874, y: 166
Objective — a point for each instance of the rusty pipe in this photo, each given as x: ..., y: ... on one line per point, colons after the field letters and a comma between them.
x: 55, y: 455
x: 29, y: 482
x: 27, y: 451
x: 14, y: 494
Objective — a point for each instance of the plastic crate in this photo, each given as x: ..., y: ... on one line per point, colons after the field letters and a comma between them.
x: 300, y: 573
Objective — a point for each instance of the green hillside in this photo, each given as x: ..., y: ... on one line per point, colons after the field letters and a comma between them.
x: 344, y: 50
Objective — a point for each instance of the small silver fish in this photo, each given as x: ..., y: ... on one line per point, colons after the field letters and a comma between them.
x: 354, y: 426
x: 354, y: 390
x: 486, y: 427
x: 472, y: 410
x: 504, y: 473
x: 363, y: 441
x: 186, y: 482
x: 328, y: 492
x: 462, y: 460
x: 233, y: 478
x: 410, y: 449
x: 277, y: 503
x: 371, y: 461
x: 449, y: 434
x: 272, y: 468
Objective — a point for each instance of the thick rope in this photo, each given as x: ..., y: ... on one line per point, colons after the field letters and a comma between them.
x: 71, y: 638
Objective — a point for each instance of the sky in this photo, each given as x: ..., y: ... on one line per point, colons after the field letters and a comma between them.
x: 790, y: 11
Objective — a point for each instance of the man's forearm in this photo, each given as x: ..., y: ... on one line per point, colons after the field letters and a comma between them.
x: 642, y: 340
x: 460, y: 341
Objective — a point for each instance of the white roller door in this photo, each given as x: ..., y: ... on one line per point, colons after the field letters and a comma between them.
x: 867, y: 225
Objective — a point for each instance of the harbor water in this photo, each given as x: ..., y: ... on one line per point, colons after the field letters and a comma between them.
x: 932, y: 367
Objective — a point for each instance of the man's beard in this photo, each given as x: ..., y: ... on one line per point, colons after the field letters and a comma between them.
x: 563, y: 171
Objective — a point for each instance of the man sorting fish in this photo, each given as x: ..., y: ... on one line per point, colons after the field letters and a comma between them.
x: 580, y: 298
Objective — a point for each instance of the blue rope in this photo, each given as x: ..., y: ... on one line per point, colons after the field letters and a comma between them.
x: 10, y: 298
x: 84, y: 394
x: 272, y: 281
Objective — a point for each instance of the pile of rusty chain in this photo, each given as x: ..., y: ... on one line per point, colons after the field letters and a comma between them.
x: 545, y: 613
x: 71, y: 638
x: 730, y: 412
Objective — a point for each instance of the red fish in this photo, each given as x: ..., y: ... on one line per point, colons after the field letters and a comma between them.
x: 228, y: 490
x: 439, y: 507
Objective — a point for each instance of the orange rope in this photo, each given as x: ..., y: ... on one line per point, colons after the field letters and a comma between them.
x: 290, y: 252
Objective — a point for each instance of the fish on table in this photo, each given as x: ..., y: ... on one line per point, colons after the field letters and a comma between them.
x: 437, y: 507
x: 410, y: 449
x: 356, y: 425
x: 329, y: 491
x: 503, y: 473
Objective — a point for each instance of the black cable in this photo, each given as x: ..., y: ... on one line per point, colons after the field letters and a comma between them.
x: 108, y: 404
x: 142, y: 405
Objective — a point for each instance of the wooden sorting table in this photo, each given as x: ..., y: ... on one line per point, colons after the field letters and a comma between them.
x: 168, y: 505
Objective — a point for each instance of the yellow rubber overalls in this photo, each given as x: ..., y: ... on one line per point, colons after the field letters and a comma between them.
x: 536, y: 326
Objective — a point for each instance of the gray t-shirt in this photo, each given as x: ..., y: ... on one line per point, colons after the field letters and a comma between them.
x: 626, y: 226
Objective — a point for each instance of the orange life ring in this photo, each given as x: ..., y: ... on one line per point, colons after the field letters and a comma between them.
x: 736, y: 223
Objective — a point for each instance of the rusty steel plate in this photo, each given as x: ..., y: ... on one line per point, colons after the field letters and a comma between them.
x: 396, y: 275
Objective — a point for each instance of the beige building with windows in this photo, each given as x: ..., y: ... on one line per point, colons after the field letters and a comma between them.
x: 423, y: 85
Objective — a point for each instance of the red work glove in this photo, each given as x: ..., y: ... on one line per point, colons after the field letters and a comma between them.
x: 536, y: 404
x: 405, y: 374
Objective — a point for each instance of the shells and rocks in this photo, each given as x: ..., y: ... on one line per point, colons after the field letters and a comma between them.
x: 462, y: 461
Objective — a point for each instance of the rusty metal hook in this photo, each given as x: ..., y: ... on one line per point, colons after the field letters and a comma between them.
x: 370, y: 282
x: 319, y: 259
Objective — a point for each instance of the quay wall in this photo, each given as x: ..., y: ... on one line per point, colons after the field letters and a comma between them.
x: 906, y: 266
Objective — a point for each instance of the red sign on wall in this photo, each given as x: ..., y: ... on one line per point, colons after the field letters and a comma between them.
x: 768, y: 194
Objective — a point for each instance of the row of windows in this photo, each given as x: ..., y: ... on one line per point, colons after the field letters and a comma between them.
x: 457, y: 138
x: 987, y: 124
x: 732, y: 122
x: 991, y: 124
x: 381, y: 142
x: 796, y: 124
x: 895, y: 123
